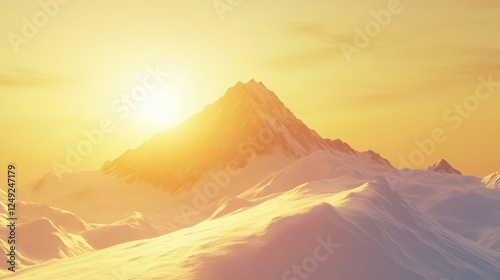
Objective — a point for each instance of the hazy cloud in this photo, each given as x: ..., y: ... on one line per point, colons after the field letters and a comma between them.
x: 31, y: 78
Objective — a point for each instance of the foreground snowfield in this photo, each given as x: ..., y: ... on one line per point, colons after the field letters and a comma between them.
x: 335, y: 223
x: 259, y: 197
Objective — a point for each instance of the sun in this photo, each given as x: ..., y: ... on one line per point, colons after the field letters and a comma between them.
x: 161, y: 109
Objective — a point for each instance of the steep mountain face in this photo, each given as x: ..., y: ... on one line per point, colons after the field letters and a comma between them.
x: 248, y: 121
x: 492, y: 181
x: 443, y: 167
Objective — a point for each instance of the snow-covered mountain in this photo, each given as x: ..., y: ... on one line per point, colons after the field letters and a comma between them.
x: 248, y: 121
x: 245, y: 190
x: 492, y: 181
x: 443, y: 167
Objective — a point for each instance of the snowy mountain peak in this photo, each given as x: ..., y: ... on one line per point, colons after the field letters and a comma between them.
x: 255, y: 93
x: 443, y: 167
x: 247, y: 122
x: 254, y: 87
x: 492, y: 181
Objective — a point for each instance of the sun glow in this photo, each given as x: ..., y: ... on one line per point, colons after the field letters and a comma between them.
x: 161, y: 109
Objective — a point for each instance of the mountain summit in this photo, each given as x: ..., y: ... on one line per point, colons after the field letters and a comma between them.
x: 248, y: 121
x: 443, y: 167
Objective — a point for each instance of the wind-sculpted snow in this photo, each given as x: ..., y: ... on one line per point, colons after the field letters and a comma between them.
x: 365, y: 232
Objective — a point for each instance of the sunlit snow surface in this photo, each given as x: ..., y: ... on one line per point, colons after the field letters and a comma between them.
x: 428, y: 225
x: 302, y: 207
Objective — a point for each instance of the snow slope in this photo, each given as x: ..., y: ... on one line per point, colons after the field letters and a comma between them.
x: 365, y: 232
x: 461, y: 203
x: 492, y: 181
x: 46, y: 233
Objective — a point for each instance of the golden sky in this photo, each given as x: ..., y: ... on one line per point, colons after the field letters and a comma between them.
x: 61, y: 76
